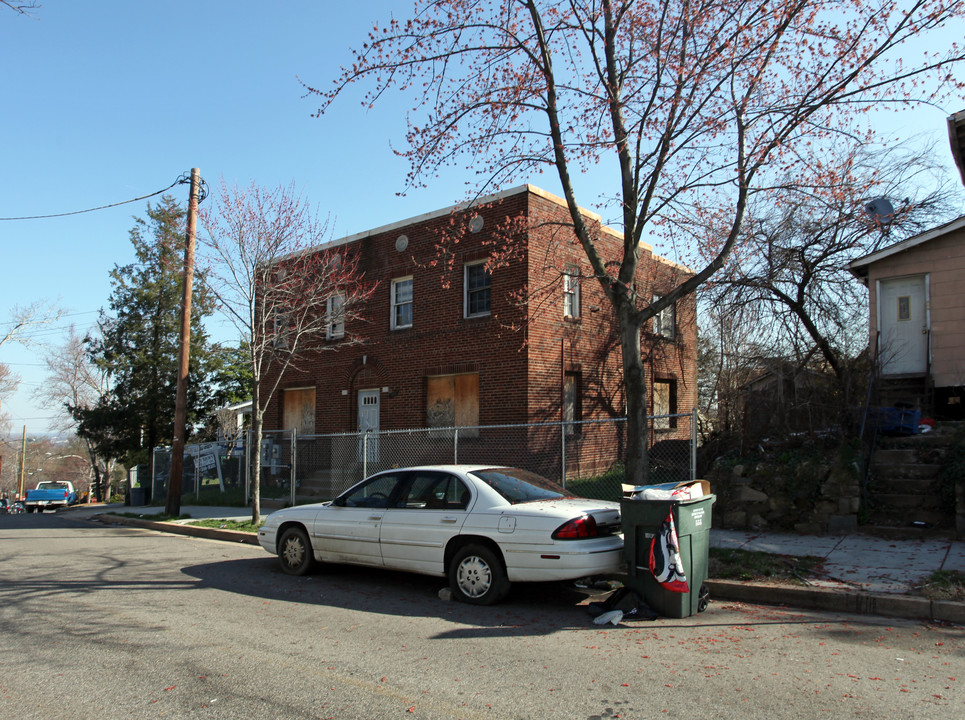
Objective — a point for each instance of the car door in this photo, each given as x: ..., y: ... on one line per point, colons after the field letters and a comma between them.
x: 430, y: 510
x: 348, y: 529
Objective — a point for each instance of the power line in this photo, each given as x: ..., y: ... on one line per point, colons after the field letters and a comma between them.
x: 59, y: 317
x: 180, y: 181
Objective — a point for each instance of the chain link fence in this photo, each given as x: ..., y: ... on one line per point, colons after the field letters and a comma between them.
x: 583, y: 457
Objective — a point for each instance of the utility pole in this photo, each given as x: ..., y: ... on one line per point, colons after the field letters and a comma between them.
x: 23, y: 462
x: 173, y: 506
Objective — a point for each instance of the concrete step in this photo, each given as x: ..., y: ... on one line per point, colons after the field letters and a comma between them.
x: 909, y: 500
x: 895, y: 456
x: 909, y: 532
x: 927, y: 487
x: 906, y: 471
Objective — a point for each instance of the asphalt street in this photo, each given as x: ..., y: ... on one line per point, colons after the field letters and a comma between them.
x: 104, y: 622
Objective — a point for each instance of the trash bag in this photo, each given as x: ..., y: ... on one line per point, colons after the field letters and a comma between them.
x: 625, y: 600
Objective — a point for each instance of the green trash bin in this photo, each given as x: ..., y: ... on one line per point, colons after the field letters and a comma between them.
x: 641, y: 523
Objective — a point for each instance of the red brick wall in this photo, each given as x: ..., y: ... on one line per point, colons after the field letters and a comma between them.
x: 516, y: 350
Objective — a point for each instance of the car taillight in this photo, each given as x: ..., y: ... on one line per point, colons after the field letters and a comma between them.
x: 577, y: 529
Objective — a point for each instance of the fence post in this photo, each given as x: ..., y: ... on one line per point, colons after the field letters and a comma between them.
x: 455, y: 446
x: 563, y: 453
x: 365, y: 454
x: 197, y: 472
x: 292, y: 471
x: 693, y: 444
x: 247, y: 465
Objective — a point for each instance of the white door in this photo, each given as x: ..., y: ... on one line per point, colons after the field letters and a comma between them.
x: 369, y: 421
x: 903, y: 322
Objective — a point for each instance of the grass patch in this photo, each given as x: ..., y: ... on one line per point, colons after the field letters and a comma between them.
x: 600, y: 487
x: 945, y: 585
x: 238, y: 525
x: 160, y: 517
x: 746, y: 565
x: 211, y: 496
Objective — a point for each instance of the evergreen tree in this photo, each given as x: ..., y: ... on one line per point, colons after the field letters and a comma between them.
x: 138, y: 344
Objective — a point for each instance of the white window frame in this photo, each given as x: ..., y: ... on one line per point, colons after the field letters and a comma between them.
x: 336, y: 327
x: 571, y: 292
x: 395, y: 304
x: 665, y: 321
x: 466, y: 292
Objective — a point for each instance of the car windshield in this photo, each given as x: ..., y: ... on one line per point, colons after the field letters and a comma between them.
x: 519, y: 486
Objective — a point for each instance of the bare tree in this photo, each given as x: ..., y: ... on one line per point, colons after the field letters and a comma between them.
x: 287, y: 292
x: 75, y: 383
x: 24, y: 321
x: 22, y: 7
x: 698, y: 106
x: 792, y: 263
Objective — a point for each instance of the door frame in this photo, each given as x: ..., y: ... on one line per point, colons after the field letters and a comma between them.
x: 921, y: 351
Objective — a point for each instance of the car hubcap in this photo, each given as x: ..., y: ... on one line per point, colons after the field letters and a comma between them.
x: 474, y: 577
x: 294, y: 552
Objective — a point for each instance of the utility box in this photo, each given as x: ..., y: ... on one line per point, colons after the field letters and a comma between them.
x: 642, y: 520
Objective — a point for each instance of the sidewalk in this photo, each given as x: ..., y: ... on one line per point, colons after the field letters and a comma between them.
x: 857, y: 562
x: 865, y: 574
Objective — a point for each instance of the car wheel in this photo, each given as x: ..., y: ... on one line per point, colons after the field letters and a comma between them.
x: 477, y: 576
x: 295, y: 552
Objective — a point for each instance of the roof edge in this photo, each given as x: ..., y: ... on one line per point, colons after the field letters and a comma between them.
x: 509, y: 192
x: 856, y: 266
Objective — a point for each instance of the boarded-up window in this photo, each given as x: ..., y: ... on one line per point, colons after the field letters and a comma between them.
x: 453, y: 401
x: 664, y: 404
x: 299, y: 410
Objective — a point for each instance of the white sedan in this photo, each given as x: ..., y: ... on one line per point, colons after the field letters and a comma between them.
x: 483, y: 527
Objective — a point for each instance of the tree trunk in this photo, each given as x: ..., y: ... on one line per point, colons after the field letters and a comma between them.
x: 257, y: 415
x: 637, y: 465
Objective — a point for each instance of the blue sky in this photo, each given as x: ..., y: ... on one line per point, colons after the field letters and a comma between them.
x: 110, y: 100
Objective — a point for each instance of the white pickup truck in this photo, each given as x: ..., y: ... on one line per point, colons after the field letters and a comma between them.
x: 50, y: 494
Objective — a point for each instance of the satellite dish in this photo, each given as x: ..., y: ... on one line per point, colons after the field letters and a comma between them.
x: 881, y: 211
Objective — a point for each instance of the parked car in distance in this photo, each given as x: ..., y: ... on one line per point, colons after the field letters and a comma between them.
x: 480, y: 526
x: 8, y: 506
x: 50, y: 493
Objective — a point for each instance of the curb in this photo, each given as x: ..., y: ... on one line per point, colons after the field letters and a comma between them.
x: 846, y: 601
x: 179, y: 529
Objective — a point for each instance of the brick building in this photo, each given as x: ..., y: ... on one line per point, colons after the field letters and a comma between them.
x: 450, y: 342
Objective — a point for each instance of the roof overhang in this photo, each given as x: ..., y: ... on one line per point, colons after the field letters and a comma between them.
x: 859, y: 266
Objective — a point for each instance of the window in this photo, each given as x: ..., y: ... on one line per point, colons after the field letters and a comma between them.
x: 477, y: 290
x: 435, y: 491
x: 378, y: 492
x: 572, y: 410
x: 279, y: 329
x: 904, y: 308
x: 664, y: 404
x: 453, y: 401
x: 571, y: 291
x: 401, y: 303
x: 336, y: 317
x: 665, y: 321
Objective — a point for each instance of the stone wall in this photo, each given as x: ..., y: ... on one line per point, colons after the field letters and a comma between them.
x: 811, y: 492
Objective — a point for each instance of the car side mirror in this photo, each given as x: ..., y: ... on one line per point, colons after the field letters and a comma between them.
x: 339, y: 501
